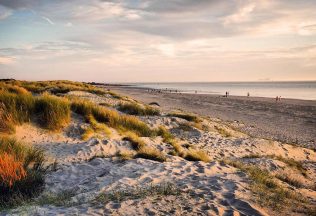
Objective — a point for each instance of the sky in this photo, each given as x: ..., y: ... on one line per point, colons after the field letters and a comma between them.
x: 158, y: 40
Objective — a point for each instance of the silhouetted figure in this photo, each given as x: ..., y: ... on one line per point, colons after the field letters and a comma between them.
x: 248, y: 95
x: 276, y: 99
x: 226, y: 94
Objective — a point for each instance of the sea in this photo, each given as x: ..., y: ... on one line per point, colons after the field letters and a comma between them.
x: 305, y: 90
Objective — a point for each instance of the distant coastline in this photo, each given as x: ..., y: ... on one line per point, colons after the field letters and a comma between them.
x: 304, y: 90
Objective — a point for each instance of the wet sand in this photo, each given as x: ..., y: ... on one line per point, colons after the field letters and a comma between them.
x: 290, y: 120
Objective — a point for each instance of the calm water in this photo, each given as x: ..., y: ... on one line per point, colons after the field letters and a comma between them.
x: 296, y: 90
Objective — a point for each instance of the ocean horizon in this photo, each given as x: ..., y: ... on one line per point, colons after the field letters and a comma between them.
x: 305, y: 90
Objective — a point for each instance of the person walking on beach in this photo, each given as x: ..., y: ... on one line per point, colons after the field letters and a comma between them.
x: 226, y: 94
x: 276, y: 99
x: 248, y: 95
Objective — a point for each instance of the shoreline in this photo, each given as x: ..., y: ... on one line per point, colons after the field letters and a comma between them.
x: 289, y: 120
x: 192, y: 92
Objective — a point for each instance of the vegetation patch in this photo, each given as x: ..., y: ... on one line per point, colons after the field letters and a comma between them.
x: 222, y: 131
x: 53, y: 112
x: 137, y: 109
x: 268, y: 192
x: 111, y: 117
x: 186, y: 116
x: 196, y: 155
x: 120, y: 195
x: 151, y: 154
x: 21, y: 173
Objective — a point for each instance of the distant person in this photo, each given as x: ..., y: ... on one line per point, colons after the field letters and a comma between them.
x: 226, y: 94
x: 276, y: 99
x: 248, y: 95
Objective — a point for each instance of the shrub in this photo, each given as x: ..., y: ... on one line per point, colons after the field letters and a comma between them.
x: 137, y: 109
x: 21, y: 172
x: 53, y: 112
x: 196, y: 155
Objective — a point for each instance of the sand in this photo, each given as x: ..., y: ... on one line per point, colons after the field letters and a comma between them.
x: 290, y: 121
x: 86, y: 169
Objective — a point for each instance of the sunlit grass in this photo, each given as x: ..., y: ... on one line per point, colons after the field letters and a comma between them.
x: 21, y: 172
x: 137, y: 109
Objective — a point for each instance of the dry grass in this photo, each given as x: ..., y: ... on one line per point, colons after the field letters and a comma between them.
x: 137, y: 109
x: 151, y: 154
x: 21, y: 172
x: 268, y: 192
x: 186, y: 116
x: 136, y: 142
x: 87, y: 133
x: 11, y: 170
x: 111, y: 117
x: 290, y: 180
x: 125, y: 155
x: 197, y: 155
x: 120, y: 195
x: 222, y: 131
x: 53, y: 112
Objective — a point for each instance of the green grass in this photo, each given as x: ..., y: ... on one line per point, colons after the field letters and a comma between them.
x: 31, y: 184
x: 14, y: 109
x: 52, y: 112
x: 186, y: 116
x: 120, y: 195
x: 137, y: 109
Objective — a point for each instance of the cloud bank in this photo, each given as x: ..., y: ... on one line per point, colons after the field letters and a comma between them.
x: 158, y: 40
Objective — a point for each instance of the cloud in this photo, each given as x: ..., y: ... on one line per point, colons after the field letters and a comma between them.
x: 5, y: 60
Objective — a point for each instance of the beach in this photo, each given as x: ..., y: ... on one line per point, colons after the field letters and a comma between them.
x: 289, y: 120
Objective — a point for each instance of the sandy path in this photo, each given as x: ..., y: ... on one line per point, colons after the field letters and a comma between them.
x: 290, y: 120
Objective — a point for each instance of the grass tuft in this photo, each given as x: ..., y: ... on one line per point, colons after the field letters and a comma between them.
x: 197, y: 155
x: 151, y: 154
x: 53, y: 112
x: 186, y: 116
x: 137, y: 109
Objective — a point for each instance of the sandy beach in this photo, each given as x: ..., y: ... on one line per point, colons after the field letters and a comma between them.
x: 290, y: 120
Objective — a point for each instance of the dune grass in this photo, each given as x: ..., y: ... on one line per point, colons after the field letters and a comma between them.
x: 298, y: 165
x: 120, y: 195
x: 136, y: 142
x: 137, y: 109
x: 53, y: 112
x: 111, y: 118
x: 21, y: 172
x: 14, y: 109
x: 186, y: 116
x: 196, y: 155
x: 268, y: 192
x: 151, y: 154
x: 222, y: 131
